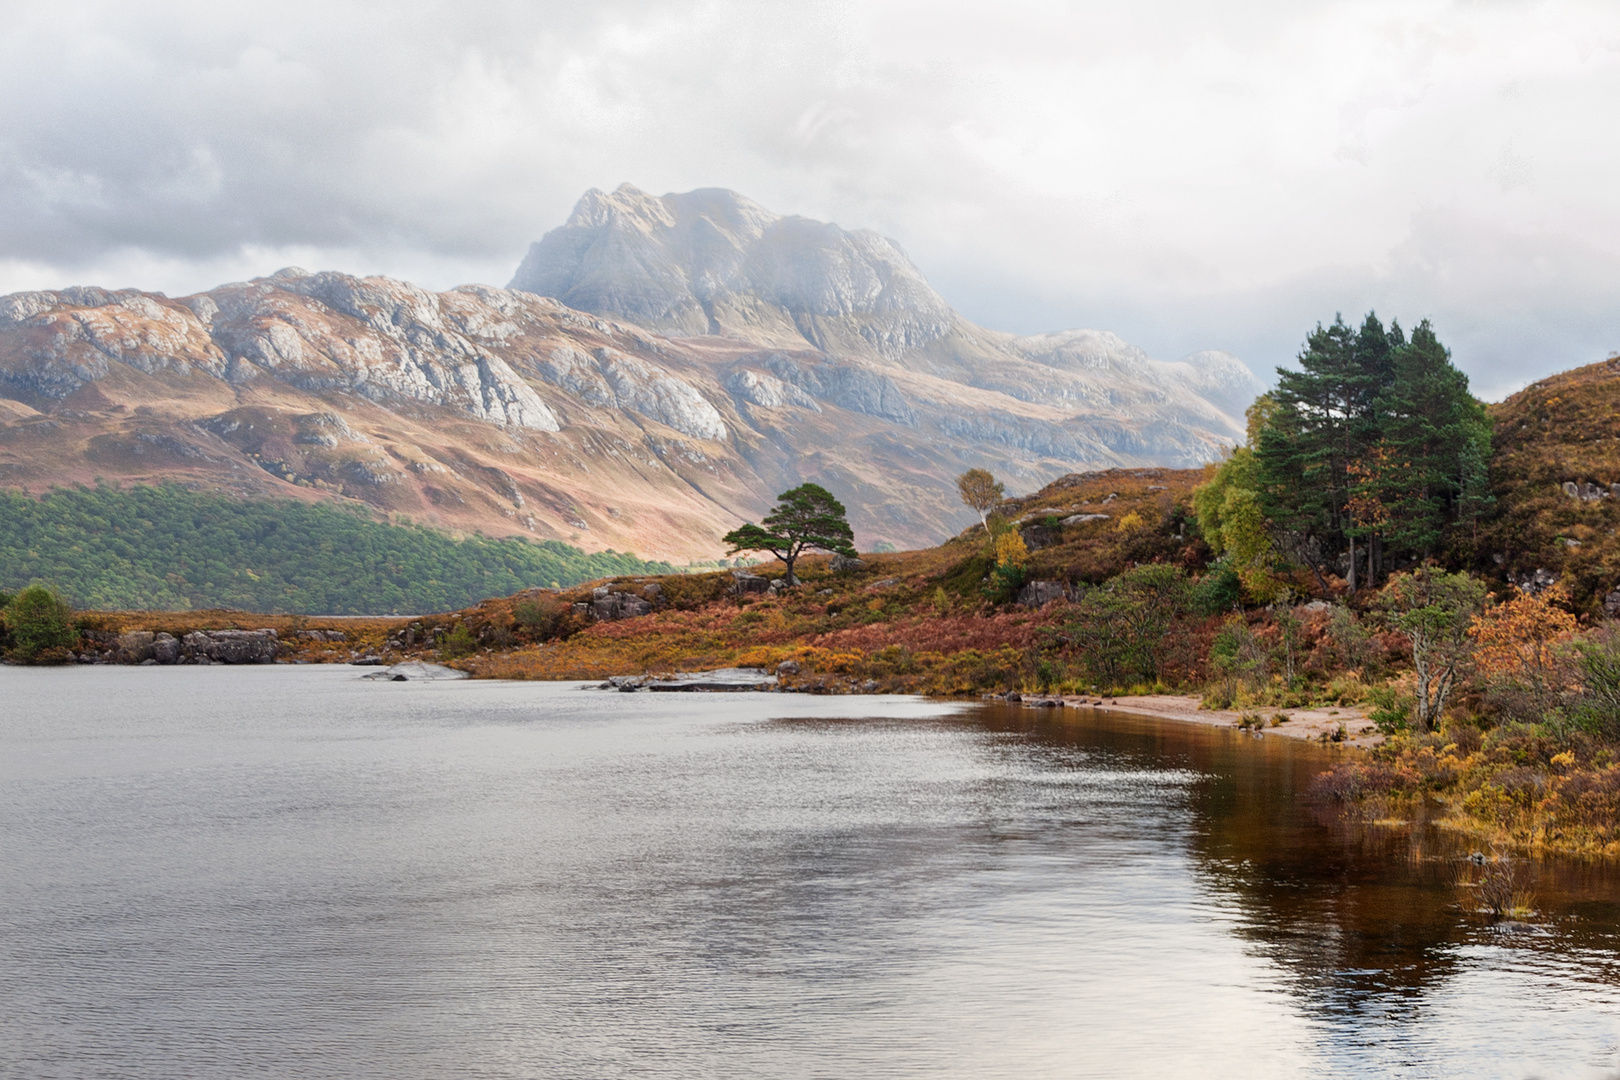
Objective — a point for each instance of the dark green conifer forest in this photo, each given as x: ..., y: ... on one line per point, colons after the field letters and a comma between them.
x: 168, y: 548
x: 1373, y: 456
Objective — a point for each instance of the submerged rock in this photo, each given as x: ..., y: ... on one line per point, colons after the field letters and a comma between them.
x: 719, y: 680
x: 415, y: 671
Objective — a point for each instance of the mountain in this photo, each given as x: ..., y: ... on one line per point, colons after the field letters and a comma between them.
x: 712, y: 263
x: 695, y: 356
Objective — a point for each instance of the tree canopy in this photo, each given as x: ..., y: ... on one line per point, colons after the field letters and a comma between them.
x: 1371, y: 456
x: 167, y: 548
x: 806, y: 517
x: 981, y: 491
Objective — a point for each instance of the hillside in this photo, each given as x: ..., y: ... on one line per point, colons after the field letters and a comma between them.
x: 1555, y: 473
x: 166, y: 548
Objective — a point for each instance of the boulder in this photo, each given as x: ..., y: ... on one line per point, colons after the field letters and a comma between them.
x: 166, y: 649
x: 846, y: 564
x: 1586, y: 491
x: 744, y: 582
x: 1040, y: 593
x: 1037, y: 536
x: 1081, y: 519
x: 1536, y: 582
x: 135, y: 646
x: 788, y: 667
x: 619, y: 605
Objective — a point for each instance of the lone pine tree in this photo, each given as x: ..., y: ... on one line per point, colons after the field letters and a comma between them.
x: 806, y: 517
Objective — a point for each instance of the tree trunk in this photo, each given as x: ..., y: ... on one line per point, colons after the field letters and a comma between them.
x: 1352, y: 577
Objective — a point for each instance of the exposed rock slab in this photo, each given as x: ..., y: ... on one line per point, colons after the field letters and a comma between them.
x: 720, y: 680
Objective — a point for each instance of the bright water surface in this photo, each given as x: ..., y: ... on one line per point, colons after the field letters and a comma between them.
x: 268, y: 872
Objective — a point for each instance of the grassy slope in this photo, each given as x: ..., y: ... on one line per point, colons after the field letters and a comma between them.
x: 1562, y: 429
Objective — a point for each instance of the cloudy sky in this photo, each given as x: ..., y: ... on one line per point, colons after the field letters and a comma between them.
x: 1191, y: 175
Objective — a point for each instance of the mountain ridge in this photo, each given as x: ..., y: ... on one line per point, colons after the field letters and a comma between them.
x: 508, y: 412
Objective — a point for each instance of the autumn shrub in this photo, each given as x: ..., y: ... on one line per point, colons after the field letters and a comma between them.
x: 1350, y: 781
x: 1392, y: 705
x: 1237, y: 659
x: 1522, y: 655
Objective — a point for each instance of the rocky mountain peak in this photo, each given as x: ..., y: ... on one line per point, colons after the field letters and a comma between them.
x: 714, y: 262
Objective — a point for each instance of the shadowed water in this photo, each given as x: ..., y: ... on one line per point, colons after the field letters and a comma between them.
x: 291, y: 872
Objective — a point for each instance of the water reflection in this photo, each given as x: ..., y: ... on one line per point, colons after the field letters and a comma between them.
x: 1368, y: 920
x: 293, y: 873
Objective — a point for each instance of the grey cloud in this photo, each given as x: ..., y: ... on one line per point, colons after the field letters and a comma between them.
x: 1189, y: 178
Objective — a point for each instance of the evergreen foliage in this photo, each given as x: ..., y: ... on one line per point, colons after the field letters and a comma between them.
x: 1372, y: 456
x: 167, y: 548
x: 805, y: 517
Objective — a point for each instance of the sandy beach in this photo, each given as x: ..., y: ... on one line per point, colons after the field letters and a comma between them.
x: 1312, y: 723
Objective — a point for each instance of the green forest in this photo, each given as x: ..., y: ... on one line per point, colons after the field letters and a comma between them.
x: 168, y: 548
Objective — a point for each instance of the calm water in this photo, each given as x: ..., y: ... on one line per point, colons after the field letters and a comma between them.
x: 289, y: 872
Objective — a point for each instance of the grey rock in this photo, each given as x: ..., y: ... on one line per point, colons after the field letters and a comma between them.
x: 1081, y: 519
x: 845, y: 564
x: 619, y: 605
x: 744, y: 582
x: 653, y: 591
x: 1586, y: 491
x: 1611, y: 603
x: 1036, y: 537
x: 788, y: 667
x: 415, y: 671
x: 166, y: 649
x: 1536, y: 582
x: 231, y: 646
x: 1038, y: 594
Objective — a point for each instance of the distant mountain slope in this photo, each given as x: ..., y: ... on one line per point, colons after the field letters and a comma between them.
x: 166, y: 548
x: 769, y: 351
x: 713, y: 263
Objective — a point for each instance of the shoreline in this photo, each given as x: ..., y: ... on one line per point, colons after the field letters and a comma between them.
x: 1312, y: 724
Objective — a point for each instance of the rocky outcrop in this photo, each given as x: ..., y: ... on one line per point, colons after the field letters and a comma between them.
x: 742, y: 582
x: 614, y: 380
x: 1038, y: 594
x: 197, y: 647
x: 609, y: 604
x: 229, y: 647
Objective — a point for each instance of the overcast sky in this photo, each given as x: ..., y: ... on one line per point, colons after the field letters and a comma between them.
x: 1190, y: 175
